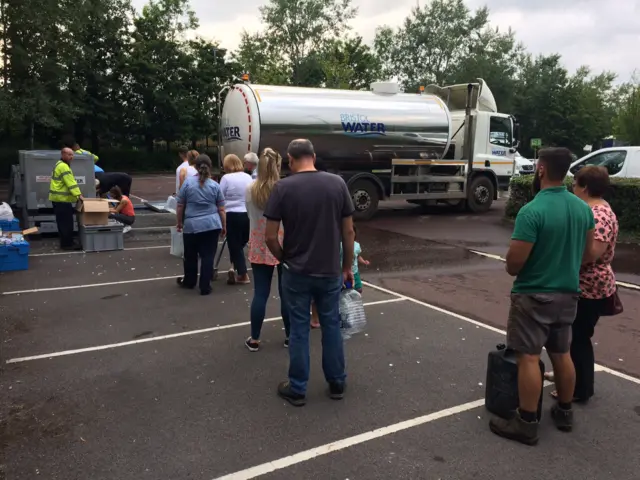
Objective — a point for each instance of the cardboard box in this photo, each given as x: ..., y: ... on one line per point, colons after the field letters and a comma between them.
x: 93, y: 211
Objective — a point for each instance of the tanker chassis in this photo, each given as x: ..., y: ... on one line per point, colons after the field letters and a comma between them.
x: 385, y: 144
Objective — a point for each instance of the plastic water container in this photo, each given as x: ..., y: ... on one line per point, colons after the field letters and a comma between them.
x: 352, y: 316
x: 102, y: 238
x: 501, y: 395
x: 14, y: 257
x: 10, y: 225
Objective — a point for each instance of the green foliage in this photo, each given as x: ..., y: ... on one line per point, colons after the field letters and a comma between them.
x: 113, y: 78
x: 627, y: 121
x: 623, y: 196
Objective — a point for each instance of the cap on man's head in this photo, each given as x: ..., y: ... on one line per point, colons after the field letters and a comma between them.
x: 301, y: 148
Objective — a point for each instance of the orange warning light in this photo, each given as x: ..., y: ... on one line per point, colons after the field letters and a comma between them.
x: 245, y: 77
x: 421, y: 88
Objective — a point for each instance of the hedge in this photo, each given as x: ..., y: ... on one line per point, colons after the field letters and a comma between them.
x: 130, y: 161
x: 623, y: 196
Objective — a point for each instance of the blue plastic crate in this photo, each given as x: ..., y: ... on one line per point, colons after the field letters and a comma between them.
x: 10, y: 225
x: 14, y: 257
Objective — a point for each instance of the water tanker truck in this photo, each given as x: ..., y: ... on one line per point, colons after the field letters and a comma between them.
x: 445, y: 144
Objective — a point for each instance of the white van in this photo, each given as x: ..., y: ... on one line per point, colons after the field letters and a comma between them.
x: 621, y: 162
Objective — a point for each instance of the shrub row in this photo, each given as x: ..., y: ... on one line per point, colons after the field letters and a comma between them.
x: 130, y: 161
x: 623, y: 196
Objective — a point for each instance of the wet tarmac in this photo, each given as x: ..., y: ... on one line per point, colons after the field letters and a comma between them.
x: 113, y: 372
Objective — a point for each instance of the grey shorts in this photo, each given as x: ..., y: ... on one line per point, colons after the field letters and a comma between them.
x: 539, y: 320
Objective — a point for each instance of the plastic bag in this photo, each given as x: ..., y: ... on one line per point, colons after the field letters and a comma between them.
x: 6, y: 214
x: 172, y: 204
x: 352, y: 316
x: 177, y: 243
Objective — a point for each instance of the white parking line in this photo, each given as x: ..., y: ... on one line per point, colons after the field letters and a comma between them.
x: 164, y: 337
x: 599, y: 367
x: 94, y: 285
x: 631, y: 286
x: 81, y: 252
x: 312, y: 453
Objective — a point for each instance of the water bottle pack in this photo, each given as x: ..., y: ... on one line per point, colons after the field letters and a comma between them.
x: 352, y: 316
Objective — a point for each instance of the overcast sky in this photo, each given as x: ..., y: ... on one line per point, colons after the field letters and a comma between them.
x: 604, y: 34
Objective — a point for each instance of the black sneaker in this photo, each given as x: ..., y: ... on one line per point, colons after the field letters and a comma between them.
x: 336, y: 390
x: 181, y: 284
x: 515, y: 428
x: 295, y: 399
x: 252, y: 345
x: 563, y: 419
x: 286, y: 343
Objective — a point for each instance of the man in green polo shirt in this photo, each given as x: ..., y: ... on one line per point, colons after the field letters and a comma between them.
x: 550, y: 238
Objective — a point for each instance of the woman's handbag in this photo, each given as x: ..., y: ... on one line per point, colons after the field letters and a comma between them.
x: 611, y: 305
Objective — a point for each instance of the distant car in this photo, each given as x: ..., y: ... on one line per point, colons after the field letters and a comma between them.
x: 620, y: 162
x: 523, y: 166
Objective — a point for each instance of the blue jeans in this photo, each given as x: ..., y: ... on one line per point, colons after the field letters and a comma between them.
x: 262, y: 276
x: 298, y: 292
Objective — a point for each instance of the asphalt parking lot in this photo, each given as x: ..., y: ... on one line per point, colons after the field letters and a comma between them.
x: 109, y: 371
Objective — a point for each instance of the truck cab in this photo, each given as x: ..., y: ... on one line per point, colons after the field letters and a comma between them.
x: 494, y: 135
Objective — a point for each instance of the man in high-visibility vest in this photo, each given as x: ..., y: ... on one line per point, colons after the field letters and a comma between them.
x: 80, y: 151
x: 63, y: 194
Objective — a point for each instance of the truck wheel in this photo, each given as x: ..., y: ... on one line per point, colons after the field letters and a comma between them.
x: 365, y: 199
x: 480, y: 195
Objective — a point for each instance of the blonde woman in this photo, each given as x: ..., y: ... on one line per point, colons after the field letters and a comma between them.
x: 262, y: 261
x: 234, y: 185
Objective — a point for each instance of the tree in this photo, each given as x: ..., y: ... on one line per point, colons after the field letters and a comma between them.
x: 431, y: 43
x: 157, y: 70
x: 102, y: 43
x: 627, y: 120
x: 296, y: 31
x: 349, y: 64
x: 262, y: 59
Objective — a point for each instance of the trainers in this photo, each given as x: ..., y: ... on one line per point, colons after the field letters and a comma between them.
x: 126, y: 229
x: 515, y: 428
x: 563, y: 419
x: 294, y: 398
x: 336, y: 390
x: 252, y: 345
x: 286, y: 343
x: 231, y: 277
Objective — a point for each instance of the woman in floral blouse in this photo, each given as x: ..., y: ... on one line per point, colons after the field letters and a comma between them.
x: 597, y: 280
x: 262, y: 261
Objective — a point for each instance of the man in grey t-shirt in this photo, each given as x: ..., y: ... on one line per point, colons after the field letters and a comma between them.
x: 316, y: 210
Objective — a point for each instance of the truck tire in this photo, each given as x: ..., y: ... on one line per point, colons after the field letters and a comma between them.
x: 480, y: 195
x: 366, y: 197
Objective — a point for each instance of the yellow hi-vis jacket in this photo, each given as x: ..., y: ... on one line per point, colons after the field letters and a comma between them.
x: 80, y: 151
x: 63, y: 187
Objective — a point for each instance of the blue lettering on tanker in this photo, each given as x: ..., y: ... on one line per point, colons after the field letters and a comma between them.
x: 358, y: 125
x: 499, y: 153
x: 231, y: 134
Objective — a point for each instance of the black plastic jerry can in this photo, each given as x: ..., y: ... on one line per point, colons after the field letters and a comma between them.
x: 501, y: 395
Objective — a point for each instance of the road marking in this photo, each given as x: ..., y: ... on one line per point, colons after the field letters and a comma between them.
x: 631, y: 286
x: 93, y: 285
x: 312, y: 453
x: 599, y: 367
x: 82, y: 252
x: 165, y: 337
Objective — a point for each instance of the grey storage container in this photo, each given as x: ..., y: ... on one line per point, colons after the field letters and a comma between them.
x: 102, y: 238
x: 36, y: 167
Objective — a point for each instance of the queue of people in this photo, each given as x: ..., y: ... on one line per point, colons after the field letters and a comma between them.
x: 300, y: 227
x: 560, y: 253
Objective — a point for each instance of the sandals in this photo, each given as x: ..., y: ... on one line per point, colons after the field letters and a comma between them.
x: 549, y: 377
